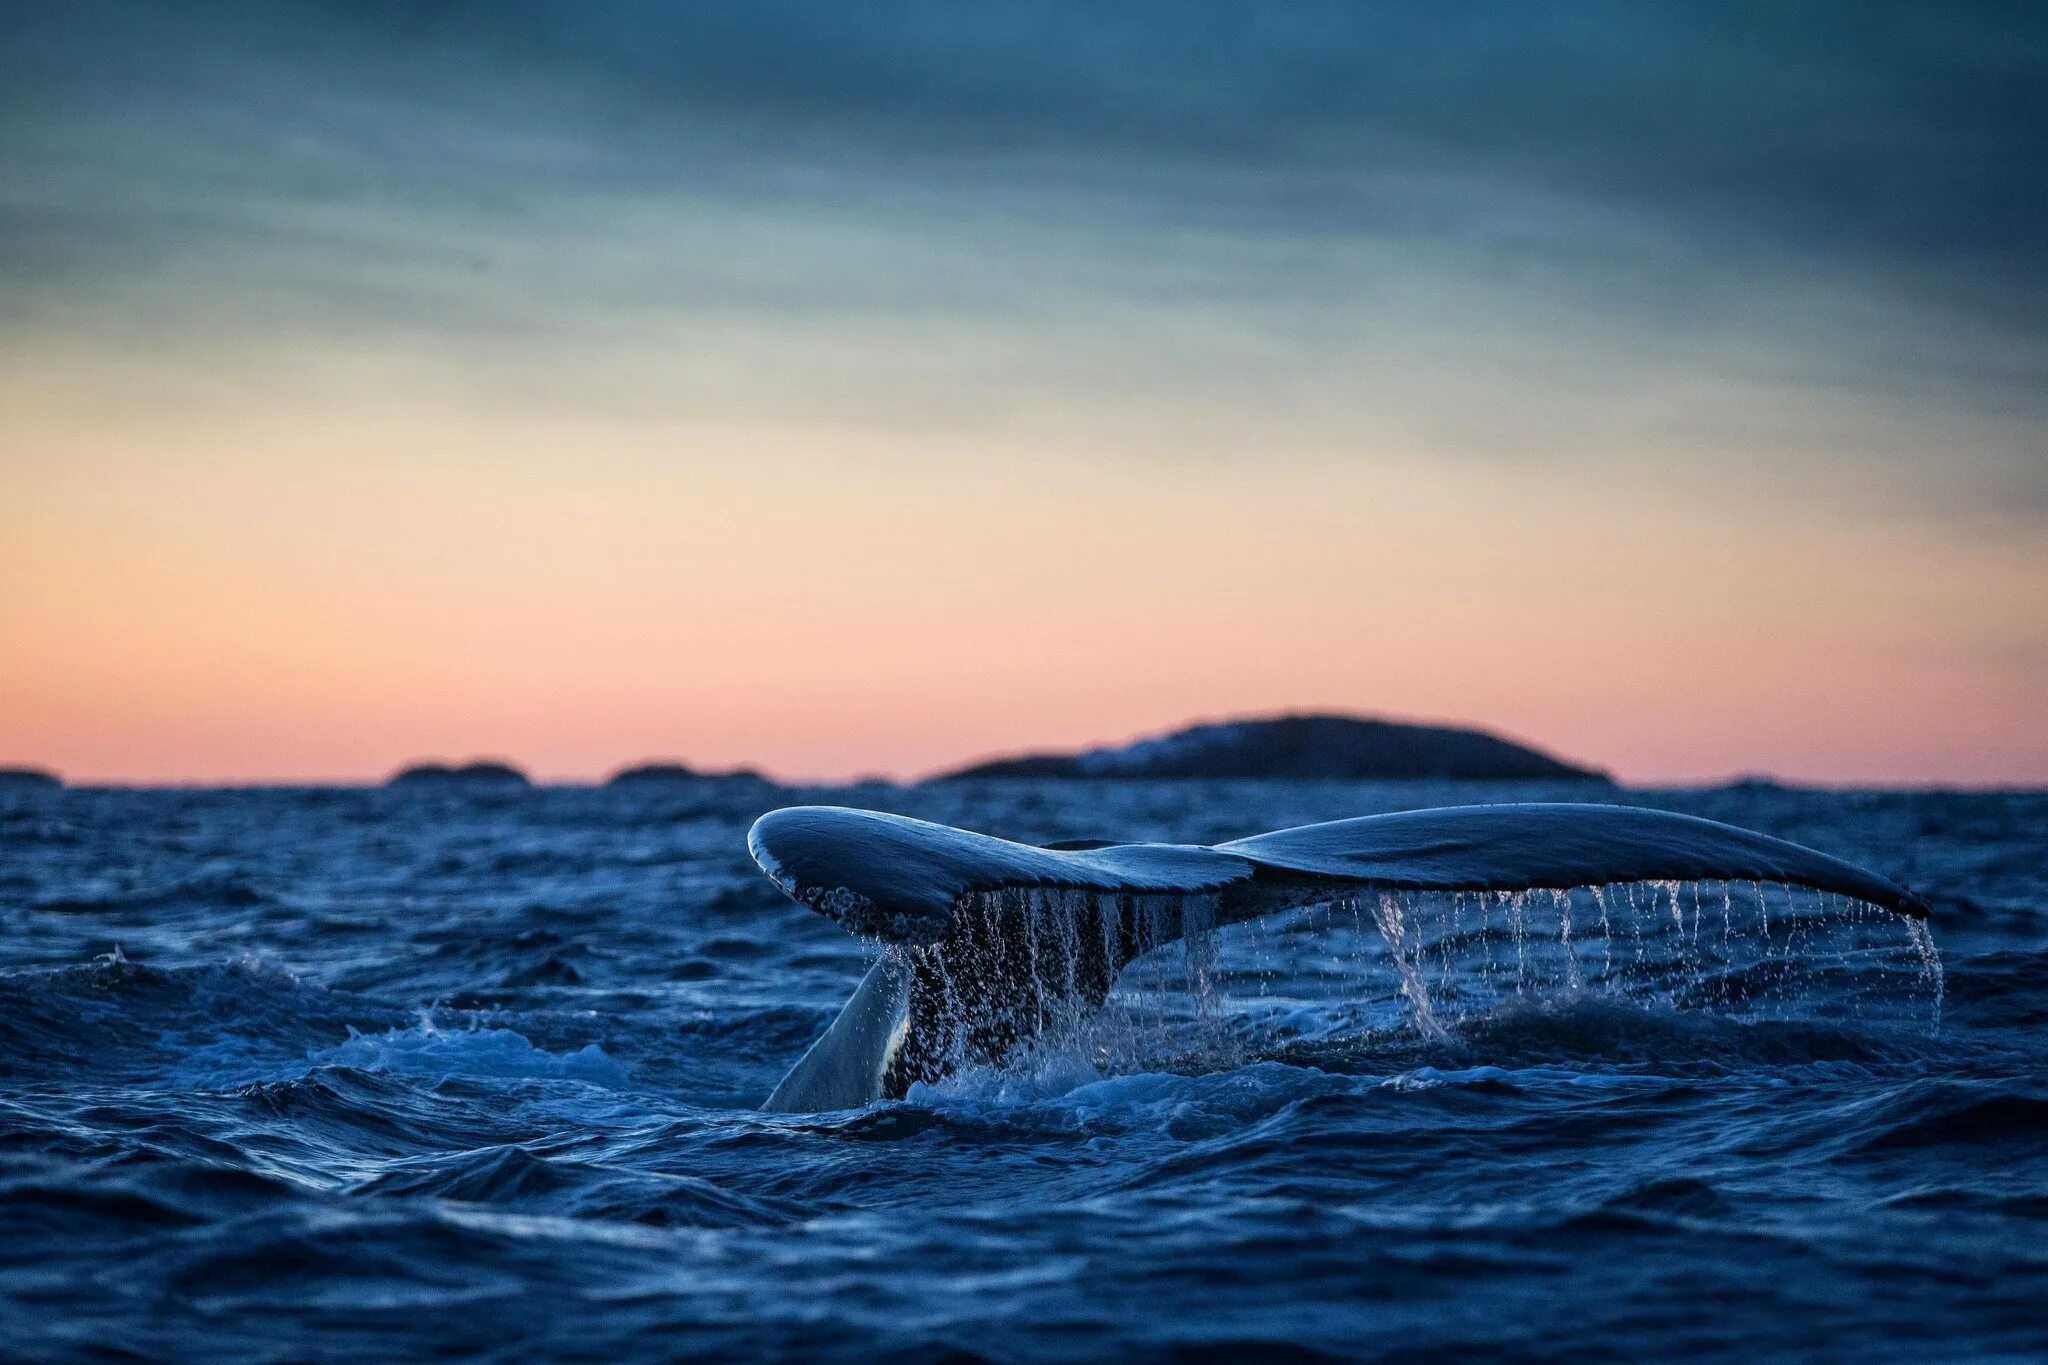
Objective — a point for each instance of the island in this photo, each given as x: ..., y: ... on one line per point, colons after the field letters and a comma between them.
x: 483, y: 772
x: 670, y: 771
x: 26, y: 779
x: 1297, y: 748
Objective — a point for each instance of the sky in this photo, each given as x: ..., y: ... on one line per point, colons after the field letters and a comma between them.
x: 861, y: 389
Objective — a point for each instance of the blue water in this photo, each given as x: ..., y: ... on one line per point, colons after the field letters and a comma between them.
x: 371, y: 1074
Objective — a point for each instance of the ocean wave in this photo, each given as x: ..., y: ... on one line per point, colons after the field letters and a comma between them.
x: 513, y: 1176
x: 425, y: 1049
x: 1975, y: 1115
x: 492, y: 1087
x: 214, y: 890
x: 212, y: 1025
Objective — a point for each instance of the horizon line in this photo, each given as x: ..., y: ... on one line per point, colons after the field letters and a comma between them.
x: 562, y: 782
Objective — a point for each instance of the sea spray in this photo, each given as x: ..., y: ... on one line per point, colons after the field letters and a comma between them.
x: 1045, y: 978
x: 1450, y: 956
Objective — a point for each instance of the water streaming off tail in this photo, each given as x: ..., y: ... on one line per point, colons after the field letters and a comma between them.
x: 1025, y: 973
x: 1378, y: 963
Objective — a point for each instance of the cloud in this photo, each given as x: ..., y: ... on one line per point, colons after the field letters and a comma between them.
x: 1561, y: 200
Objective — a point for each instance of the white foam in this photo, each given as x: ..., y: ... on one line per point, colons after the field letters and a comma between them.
x: 484, y: 1053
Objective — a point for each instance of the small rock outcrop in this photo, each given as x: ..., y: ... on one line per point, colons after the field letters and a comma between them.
x: 667, y: 771
x: 487, y: 772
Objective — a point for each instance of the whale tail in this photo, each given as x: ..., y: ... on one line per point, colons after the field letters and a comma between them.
x: 848, y: 1065
x: 988, y: 944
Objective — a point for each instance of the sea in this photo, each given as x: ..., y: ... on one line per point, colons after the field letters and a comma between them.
x: 475, y: 1071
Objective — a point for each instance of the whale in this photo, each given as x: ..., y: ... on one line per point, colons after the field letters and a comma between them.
x: 986, y: 943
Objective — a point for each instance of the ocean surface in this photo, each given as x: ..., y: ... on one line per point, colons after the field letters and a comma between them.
x: 291, y: 1074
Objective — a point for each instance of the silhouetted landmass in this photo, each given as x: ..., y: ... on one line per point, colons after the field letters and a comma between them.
x: 17, y: 779
x: 679, y: 772
x: 1301, y: 748
x: 483, y: 774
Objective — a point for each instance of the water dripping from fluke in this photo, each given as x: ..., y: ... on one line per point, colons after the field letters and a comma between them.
x: 1196, y: 995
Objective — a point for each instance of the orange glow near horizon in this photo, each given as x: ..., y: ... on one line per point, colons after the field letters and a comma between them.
x: 224, y: 593
x: 762, y: 389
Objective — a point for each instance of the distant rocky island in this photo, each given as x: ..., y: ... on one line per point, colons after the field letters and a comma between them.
x: 481, y: 773
x: 1287, y: 748
x: 1298, y: 748
x: 19, y: 779
x: 679, y: 772
x: 494, y: 772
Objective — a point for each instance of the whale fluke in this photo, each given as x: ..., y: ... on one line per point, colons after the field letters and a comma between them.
x: 900, y: 880
x: 1555, y: 846
x: 988, y: 943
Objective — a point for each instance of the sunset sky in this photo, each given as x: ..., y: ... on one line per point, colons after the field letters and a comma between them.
x: 862, y: 389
